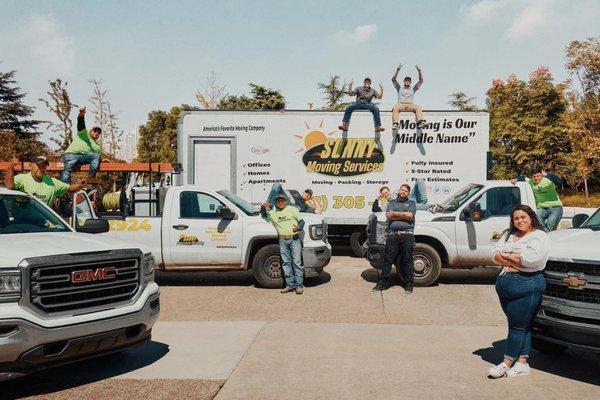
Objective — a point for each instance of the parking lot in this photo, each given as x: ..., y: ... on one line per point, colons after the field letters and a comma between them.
x: 219, y: 336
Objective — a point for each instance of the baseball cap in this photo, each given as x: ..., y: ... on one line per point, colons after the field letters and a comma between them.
x: 280, y: 197
x: 367, y: 79
x: 41, y: 160
x: 407, y: 78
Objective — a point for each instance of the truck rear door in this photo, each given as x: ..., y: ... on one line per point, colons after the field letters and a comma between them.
x: 197, y: 236
x: 214, y: 163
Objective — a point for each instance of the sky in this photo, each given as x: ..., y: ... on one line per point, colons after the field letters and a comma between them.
x: 154, y: 55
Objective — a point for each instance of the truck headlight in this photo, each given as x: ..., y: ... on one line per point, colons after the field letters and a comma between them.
x: 148, y: 267
x: 316, y: 232
x: 10, y: 285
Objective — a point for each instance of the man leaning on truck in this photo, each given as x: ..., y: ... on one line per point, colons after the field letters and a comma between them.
x: 287, y: 221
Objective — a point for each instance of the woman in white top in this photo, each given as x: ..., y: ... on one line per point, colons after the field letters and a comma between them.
x: 523, y: 251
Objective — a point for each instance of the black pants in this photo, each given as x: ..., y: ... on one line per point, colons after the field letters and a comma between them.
x: 399, y: 248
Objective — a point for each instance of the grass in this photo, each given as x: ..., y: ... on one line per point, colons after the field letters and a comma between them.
x: 572, y: 198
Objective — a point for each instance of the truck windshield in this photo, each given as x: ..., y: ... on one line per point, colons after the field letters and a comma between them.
x: 246, y: 207
x: 22, y: 214
x: 453, y: 203
x: 593, y: 222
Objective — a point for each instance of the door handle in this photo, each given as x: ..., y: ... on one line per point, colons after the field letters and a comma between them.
x: 180, y: 227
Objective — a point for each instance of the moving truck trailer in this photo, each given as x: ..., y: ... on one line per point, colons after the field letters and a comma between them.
x: 246, y: 152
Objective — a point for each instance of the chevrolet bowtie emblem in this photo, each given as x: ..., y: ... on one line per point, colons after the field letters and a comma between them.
x: 574, y: 281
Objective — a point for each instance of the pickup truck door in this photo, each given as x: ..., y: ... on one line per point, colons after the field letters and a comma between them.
x: 474, y: 239
x: 197, y: 236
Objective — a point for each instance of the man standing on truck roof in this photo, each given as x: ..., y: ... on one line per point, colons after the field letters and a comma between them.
x: 400, y: 240
x: 406, y: 95
x: 84, y: 149
x: 288, y: 223
x: 37, y: 183
x: 364, y: 95
x: 548, y: 203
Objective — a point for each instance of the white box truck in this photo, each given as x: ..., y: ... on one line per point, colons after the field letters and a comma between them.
x: 247, y: 152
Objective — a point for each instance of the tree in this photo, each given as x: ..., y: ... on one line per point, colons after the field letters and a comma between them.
x: 16, y: 119
x: 460, y: 101
x: 112, y: 130
x: 334, y: 93
x: 211, y: 94
x: 527, y: 124
x: 158, y: 136
x: 99, y: 102
x: 60, y: 105
x: 262, y: 99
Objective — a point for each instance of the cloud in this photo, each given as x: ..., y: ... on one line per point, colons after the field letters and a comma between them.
x: 50, y: 48
x: 360, y: 34
x: 483, y: 11
x: 534, y: 19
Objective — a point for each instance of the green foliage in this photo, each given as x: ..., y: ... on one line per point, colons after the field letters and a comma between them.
x: 460, y: 101
x: 262, y: 99
x: 334, y: 91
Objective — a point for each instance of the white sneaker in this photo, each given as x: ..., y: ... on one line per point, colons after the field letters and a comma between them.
x: 518, y: 369
x: 498, y: 371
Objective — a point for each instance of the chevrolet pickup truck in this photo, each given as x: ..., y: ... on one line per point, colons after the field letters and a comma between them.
x: 64, y: 295
x: 201, y: 230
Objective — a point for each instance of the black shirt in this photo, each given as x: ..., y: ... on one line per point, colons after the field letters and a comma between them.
x: 398, y: 205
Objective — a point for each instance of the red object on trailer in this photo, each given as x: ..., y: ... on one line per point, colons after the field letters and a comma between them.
x: 104, y: 167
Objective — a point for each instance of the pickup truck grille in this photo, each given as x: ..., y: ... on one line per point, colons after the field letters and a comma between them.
x: 60, y: 288
x: 565, y: 267
x: 563, y: 292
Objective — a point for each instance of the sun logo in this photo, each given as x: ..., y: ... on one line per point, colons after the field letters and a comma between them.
x: 313, y: 138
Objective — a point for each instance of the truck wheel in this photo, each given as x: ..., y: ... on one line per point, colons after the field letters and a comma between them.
x: 427, y: 263
x: 547, y: 347
x: 266, y: 267
x: 357, y: 239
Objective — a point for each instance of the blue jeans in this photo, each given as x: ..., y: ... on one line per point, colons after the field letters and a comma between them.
x: 550, y: 217
x: 277, y: 190
x: 418, y: 194
x: 291, y: 255
x: 362, y: 106
x: 519, y: 295
x: 70, y: 160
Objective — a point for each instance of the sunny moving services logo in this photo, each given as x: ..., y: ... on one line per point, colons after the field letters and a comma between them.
x: 338, y: 156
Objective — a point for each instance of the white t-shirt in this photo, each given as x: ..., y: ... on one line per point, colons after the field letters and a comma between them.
x: 533, y: 247
x: 406, y: 95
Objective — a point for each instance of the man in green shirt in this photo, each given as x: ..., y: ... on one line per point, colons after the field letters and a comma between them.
x: 84, y: 149
x: 549, y: 206
x: 288, y: 222
x: 37, y: 183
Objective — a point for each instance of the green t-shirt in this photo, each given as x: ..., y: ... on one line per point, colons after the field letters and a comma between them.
x: 545, y: 193
x: 83, y: 143
x: 285, y: 220
x: 47, y: 190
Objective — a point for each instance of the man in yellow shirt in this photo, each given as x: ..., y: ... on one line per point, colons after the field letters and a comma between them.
x: 288, y: 222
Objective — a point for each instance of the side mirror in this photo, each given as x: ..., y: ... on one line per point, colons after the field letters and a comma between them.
x: 225, y: 213
x: 473, y: 212
x: 579, y: 219
x: 94, y: 226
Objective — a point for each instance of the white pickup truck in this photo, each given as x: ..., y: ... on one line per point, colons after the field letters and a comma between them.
x: 66, y: 296
x: 200, y: 230
x: 461, y: 232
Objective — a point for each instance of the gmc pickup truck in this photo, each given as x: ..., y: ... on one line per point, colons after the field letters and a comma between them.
x: 67, y: 296
x: 200, y: 230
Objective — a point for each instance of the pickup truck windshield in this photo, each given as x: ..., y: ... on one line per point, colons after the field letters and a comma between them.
x: 593, y: 222
x: 454, y: 202
x: 22, y: 214
x: 246, y: 207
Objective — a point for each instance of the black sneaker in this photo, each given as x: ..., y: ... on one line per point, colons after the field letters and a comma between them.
x: 408, y: 288
x: 381, y: 286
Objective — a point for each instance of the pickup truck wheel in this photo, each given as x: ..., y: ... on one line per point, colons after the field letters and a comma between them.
x: 427, y: 264
x: 547, y: 347
x: 266, y: 267
x: 357, y: 239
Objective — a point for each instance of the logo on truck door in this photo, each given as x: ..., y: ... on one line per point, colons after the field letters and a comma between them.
x: 92, y: 275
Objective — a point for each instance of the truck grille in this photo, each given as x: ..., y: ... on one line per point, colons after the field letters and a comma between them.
x: 563, y: 292
x: 55, y: 288
x: 566, y: 267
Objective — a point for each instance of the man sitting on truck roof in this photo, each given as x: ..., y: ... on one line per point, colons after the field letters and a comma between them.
x: 364, y: 95
x: 84, y: 149
x: 37, y: 183
x: 406, y: 95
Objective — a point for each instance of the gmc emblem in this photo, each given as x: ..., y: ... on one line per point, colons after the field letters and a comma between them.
x: 92, y: 275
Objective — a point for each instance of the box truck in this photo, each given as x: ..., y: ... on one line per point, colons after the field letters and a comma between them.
x: 246, y: 152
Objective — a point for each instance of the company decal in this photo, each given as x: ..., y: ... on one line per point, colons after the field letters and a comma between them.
x: 344, y: 157
x: 130, y: 225
x: 260, y: 149
x: 92, y: 275
x: 189, y: 240
x: 218, y: 235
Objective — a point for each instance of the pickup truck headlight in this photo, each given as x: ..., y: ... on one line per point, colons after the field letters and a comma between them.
x: 316, y: 232
x: 148, y: 267
x: 10, y: 285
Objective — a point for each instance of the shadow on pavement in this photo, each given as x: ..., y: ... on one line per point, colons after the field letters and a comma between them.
x: 342, y: 250
x: 84, y: 372
x: 212, y: 278
x: 475, y: 276
x: 576, y: 365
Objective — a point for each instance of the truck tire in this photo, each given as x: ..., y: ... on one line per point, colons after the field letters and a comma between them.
x: 357, y: 239
x: 266, y: 267
x: 547, y: 347
x: 427, y: 263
